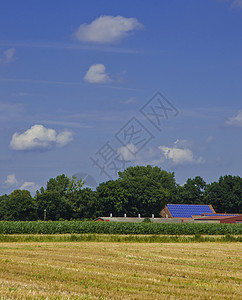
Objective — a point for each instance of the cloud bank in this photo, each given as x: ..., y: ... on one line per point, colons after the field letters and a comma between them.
x: 235, y: 121
x: 107, y: 29
x: 39, y: 137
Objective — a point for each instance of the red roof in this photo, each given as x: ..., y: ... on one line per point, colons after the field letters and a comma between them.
x: 222, y: 219
x: 214, y: 217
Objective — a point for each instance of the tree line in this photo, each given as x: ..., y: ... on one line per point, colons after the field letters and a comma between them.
x: 141, y: 190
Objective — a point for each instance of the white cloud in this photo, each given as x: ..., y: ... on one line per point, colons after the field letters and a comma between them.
x: 31, y: 186
x: 127, y: 152
x: 235, y: 121
x: 180, y: 153
x: 97, y: 74
x: 107, y: 29
x: 8, y: 56
x: 11, y: 180
x: 39, y: 137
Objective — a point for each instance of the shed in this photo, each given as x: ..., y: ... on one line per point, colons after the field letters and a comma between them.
x: 236, y: 219
x: 137, y: 220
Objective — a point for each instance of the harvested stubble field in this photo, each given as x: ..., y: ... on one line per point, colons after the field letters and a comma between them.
x: 99, y: 270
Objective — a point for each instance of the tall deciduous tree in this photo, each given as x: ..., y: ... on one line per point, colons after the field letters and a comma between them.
x: 3, y: 200
x: 59, y: 197
x: 56, y: 206
x: 84, y: 205
x: 225, y: 195
x: 139, y: 189
x: 192, y: 192
x: 20, y: 206
x: 74, y: 187
x: 150, y: 188
x: 59, y: 184
x: 113, y: 198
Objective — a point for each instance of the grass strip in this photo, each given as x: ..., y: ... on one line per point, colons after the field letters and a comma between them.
x: 118, y: 238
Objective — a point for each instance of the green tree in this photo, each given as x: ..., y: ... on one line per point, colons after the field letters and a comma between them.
x: 84, y: 205
x: 3, y: 200
x: 74, y: 187
x: 59, y: 184
x: 225, y: 195
x: 192, y: 192
x: 57, y: 207
x: 20, y: 206
x: 112, y: 198
x: 150, y: 188
x: 139, y: 189
x: 59, y: 198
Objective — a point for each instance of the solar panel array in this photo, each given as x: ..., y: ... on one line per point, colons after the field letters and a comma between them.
x: 188, y: 210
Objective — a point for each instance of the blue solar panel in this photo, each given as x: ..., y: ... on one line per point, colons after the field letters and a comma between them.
x: 188, y: 210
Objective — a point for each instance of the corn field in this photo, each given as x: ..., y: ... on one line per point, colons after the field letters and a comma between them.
x: 86, y: 227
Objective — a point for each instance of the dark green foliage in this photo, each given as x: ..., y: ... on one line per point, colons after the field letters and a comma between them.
x: 3, y: 201
x: 139, y: 189
x: 84, y: 204
x: 56, y: 206
x: 59, y: 184
x: 64, y: 199
x: 225, y: 195
x: 20, y: 206
x: 192, y: 192
x: 114, y: 198
x: 146, y: 220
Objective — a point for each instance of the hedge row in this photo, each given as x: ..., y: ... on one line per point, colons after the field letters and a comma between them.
x: 60, y: 227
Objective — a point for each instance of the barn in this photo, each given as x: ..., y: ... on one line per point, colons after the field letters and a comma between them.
x: 185, y: 211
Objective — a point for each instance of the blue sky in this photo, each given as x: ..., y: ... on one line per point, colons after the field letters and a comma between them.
x: 75, y: 77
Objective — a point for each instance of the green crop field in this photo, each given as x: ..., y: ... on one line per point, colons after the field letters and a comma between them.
x: 60, y: 227
x: 101, y: 270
